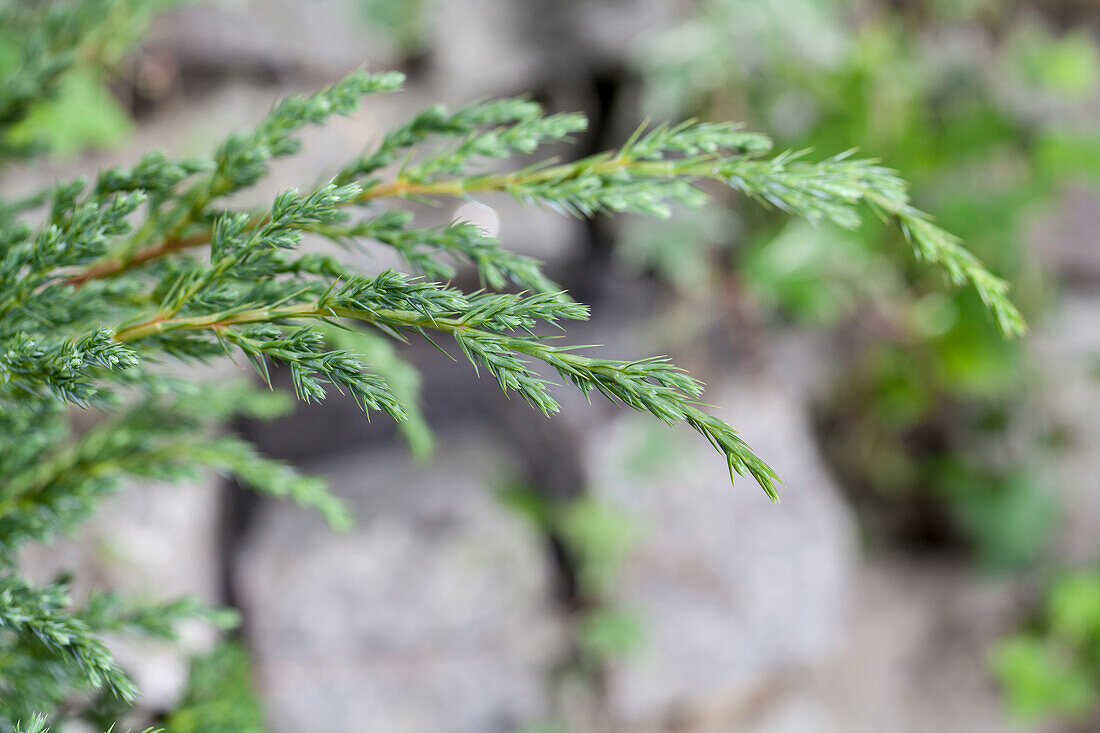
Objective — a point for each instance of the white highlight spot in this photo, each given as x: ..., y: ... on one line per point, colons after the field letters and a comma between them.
x: 480, y: 215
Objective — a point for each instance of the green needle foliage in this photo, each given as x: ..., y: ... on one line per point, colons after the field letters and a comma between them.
x: 102, y: 282
x: 219, y: 697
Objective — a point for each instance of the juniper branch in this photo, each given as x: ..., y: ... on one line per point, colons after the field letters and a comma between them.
x: 650, y: 174
x: 483, y: 328
x: 38, y: 616
x: 160, y: 250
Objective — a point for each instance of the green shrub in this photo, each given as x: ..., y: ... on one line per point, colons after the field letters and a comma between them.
x: 1053, y: 669
x: 104, y: 281
x: 925, y: 391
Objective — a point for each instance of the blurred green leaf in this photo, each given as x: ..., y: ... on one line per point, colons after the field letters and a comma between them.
x: 82, y: 115
x: 403, y: 22
x: 1039, y: 679
x: 220, y: 696
x: 1074, y: 608
x: 612, y: 632
x: 818, y: 274
x: 1009, y: 519
x: 601, y: 536
x: 402, y: 378
x: 1066, y: 155
x: 688, y: 266
x: 1069, y: 66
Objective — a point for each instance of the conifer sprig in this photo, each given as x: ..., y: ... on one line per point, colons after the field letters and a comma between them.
x: 650, y: 174
x: 832, y: 189
x: 483, y: 328
x: 39, y: 616
x: 163, y: 438
x: 642, y: 178
x: 154, y: 261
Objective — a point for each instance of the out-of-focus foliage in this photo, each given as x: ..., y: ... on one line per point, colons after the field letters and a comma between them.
x: 404, y: 380
x: 220, y: 696
x: 54, y: 93
x: 597, y: 539
x: 83, y: 114
x: 971, y: 101
x: 104, y: 281
x: 403, y: 23
x: 1053, y: 669
x: 1068, y: 66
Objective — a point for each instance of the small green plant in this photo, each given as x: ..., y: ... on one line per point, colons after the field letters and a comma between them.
x: 53, y: 48
x: 220, y: 696
x: 925, y: 392
x: 102, y: 282
x: 404, y: 23
x: 1053, y: 669
x: 595, y: 539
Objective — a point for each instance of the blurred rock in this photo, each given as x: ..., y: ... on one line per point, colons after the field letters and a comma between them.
x: 478, y: 49
x: 1066, y: 350
x: 598, y: 34
x: 732, y: 590
x: 790, y: 714
x: 914, y: 657
x: 436, y: 613
x: 275, y: 38
x: 911, y: 659
x: 1067, y: 242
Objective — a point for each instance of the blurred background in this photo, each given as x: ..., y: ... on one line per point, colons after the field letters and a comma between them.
x: 933, y: 565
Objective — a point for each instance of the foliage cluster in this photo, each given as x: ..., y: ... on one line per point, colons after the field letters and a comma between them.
x: 1053, y: 668
x: 105, y: 282
x: 927, y: 397
x: 927, y: 394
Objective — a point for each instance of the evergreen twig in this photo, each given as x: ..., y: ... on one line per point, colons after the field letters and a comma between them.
x: 155, y: 262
